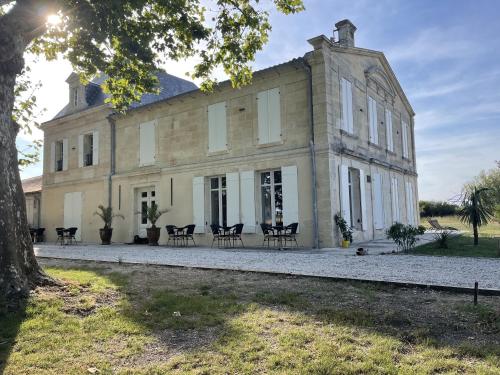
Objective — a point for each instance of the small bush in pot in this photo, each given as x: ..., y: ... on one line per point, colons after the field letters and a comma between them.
x: 153, y: 213
x: 107, y: 215
x: 345, y: 230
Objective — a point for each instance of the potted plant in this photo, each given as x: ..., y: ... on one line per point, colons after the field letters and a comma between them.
x: 345, y: 230
x: 106, y: 214
x: 153, y: 213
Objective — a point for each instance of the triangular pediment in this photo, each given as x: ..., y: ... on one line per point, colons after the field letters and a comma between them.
x: 377, y: 78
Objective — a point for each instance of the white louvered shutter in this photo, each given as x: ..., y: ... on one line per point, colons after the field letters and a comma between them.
x: 147, y: 143
x: 388, y: 130
x: 199, y: 204
x: 396, y: 217
x: 65, y: 154
x: 80, y: 151
x: 372, y: 117
x: 404, y: 135
x: 274, y: 107
x: 217, y: 127
x: 362, y: 189
x: 52, y: 166
x: 410, y: 204
x: 95, y: 147
x: 290, y: 195
x: 345, y: 204
x: 347, y: 114
x: 247, y: 189
x: 233, y: 198
x: 269, y: 115
x: 263, y: 118
x: 378, y: 204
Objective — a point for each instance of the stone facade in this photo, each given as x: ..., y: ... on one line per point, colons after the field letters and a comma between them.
x: 181, y: 166
x: 32, y: 188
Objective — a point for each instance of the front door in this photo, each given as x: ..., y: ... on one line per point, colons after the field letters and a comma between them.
x: 145, y: 198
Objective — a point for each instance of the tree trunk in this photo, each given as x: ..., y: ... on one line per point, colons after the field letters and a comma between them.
x: 19, y: 270
x: 476, y: 234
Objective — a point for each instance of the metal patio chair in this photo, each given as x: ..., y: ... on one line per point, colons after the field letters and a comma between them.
x: 60, y: 236
x: 268, y: 232
x: 71, y: 235
x: 235, y: 234
x: 173, y: 234
x: 290, y: 233
x: 188, y: 235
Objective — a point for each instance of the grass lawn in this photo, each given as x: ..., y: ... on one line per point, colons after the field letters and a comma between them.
x: 489, y: 237
x: 135, y: 319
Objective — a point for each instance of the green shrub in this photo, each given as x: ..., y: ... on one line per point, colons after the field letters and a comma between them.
x: 405, y: 236
x: 442, y: 238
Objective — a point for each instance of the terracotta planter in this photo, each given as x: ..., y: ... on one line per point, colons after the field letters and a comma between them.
x: 106, y: 234
x: 345, y: 243
x: 153, y: 235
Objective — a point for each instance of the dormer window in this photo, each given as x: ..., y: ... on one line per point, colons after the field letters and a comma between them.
x: 75, y: 96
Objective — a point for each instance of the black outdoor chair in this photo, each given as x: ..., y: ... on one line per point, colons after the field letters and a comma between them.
x: 290, y: 233
x: 216, y: 234
x: 71, y: 235
x: 188, y: 235
x: 268, y: 232
x: 173, y: 235
x: 235, y: 234
x: 39, y: 235
x: 60, y: 236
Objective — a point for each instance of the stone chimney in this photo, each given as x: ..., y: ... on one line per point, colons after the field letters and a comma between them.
x: 346, y: 31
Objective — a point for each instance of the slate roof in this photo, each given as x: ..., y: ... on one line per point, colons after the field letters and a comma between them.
x: 169, y: 86
x: 32, y: 185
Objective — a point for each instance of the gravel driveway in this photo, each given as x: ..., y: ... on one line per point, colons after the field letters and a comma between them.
x: 426, y: 270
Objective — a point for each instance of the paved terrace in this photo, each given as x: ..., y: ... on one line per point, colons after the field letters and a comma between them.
x: 459, y: 272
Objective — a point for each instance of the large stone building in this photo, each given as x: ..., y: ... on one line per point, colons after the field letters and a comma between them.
x: 325, y: 133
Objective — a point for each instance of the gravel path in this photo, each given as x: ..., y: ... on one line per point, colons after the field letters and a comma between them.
x: 438, y: 271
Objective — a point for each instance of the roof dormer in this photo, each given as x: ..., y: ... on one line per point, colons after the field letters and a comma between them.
x: 76, y: 93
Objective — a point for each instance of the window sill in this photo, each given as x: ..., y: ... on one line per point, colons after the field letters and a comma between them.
x: 374, y: 145
x: 347, y: 134
x: 270, y: 144
x: 218, y: 152
x: 406, y: 158
x: 391, y: 152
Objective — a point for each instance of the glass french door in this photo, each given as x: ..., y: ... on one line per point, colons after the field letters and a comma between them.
x: 271, y: 197
x: 218, y: 201
x: 145, y: 198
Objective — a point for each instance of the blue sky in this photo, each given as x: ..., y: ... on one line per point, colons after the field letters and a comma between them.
x: 445, y: 54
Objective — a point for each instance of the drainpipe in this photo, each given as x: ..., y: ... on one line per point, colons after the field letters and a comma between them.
x: 308, y: 70
x: 112, y: 124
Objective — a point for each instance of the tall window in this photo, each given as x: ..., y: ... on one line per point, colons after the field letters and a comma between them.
x: 59, y: 156
x: 272, y: 197
x: 88, y: 147
x: 218, y: 200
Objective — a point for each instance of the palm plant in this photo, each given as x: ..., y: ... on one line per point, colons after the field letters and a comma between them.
x: 107, y: 215
x: 153, y: 213
x: 475, y: 210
